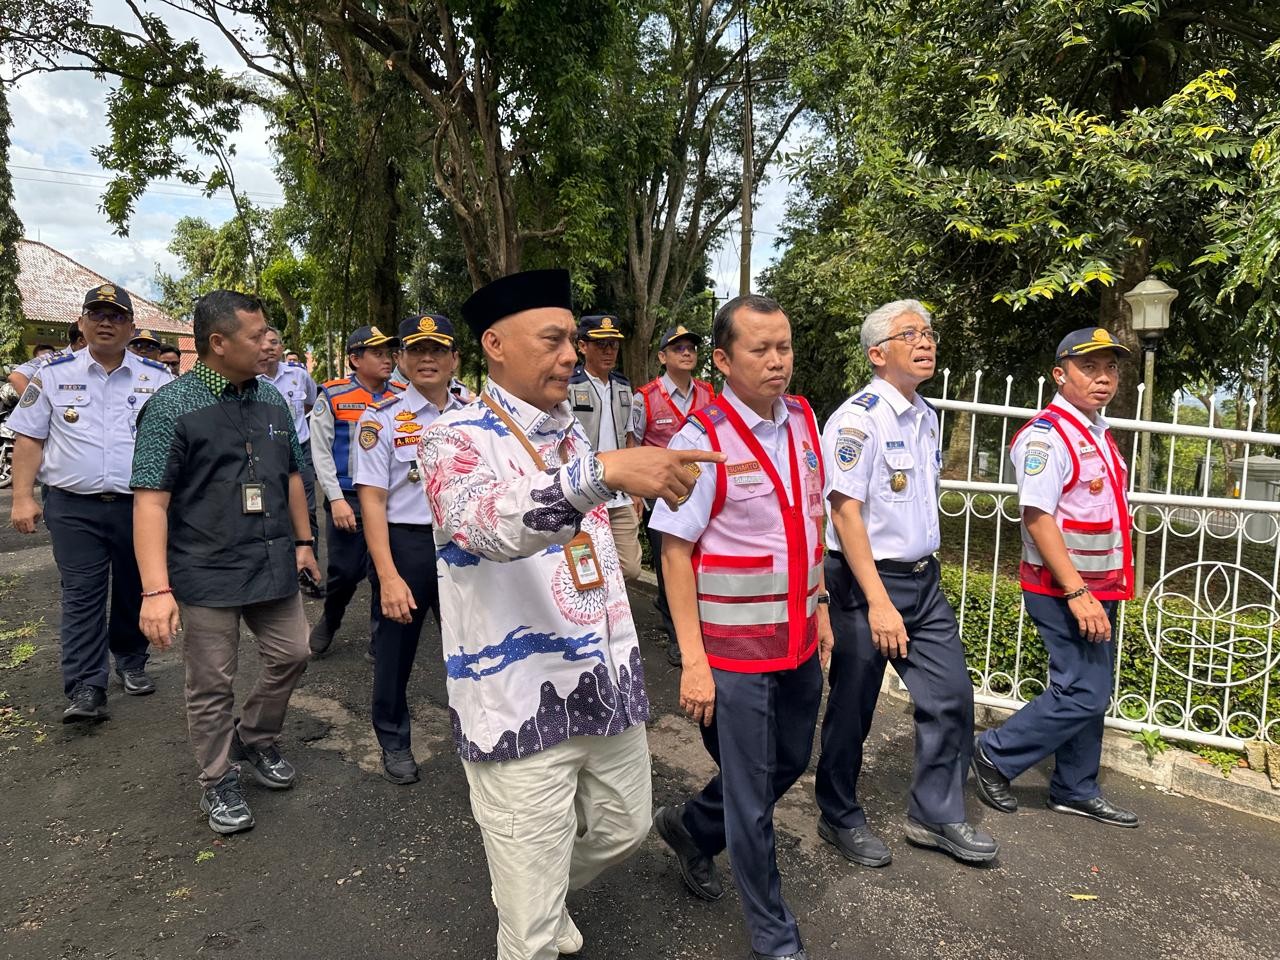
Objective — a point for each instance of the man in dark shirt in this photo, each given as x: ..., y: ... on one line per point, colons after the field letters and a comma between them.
x: 220, y: 448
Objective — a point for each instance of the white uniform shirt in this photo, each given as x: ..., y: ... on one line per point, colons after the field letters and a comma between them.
x: 387, y: 452
x: 873, y: 436
x: 299, y: 392
x: 87, y: 419
x: 608, y: 430
x: 691, y: 518
x: 1042, y: 463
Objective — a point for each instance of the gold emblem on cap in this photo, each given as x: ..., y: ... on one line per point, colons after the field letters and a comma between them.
x: 680, y: 331
x: 898, y: 482
x: 1101, y: 336
x: 106, y: 290
x: 374, y: 332
x: 426, y: 325
x: 606, y: 323
x: 71, y: 416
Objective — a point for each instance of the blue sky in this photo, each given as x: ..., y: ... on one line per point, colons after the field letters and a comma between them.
x: 59, y: 118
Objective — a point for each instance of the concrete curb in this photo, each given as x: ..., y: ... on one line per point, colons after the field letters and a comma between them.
x: 1176, y: 771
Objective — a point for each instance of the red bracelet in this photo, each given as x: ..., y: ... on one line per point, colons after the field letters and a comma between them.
x: 156, y: 593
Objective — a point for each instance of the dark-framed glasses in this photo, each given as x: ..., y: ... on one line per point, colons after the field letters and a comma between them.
x: 911, y: 336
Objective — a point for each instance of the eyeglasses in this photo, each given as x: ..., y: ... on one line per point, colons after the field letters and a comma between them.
x: 681, y: 348
x: 115, y: 316
x: 172, y: 365
x: 911, y: 336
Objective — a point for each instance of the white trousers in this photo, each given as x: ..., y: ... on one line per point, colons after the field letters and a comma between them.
x: 553, y: 821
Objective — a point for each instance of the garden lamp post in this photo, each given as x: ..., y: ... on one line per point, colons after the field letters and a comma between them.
x: 1149, y: 303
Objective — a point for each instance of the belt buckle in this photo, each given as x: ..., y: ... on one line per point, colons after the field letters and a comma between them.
x: 108, y: 497
x: 920, y: 565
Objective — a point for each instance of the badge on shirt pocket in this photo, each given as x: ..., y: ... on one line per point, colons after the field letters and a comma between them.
x: 584, y: 565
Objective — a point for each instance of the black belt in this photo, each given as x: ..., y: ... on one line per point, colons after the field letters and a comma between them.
x: 424, y: 527
x: 102, y: 497
x: 892, y: 566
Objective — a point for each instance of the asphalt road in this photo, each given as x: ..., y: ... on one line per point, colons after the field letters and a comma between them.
x: 105, y: 854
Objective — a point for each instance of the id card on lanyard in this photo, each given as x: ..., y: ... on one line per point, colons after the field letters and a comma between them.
x: 580, y: 552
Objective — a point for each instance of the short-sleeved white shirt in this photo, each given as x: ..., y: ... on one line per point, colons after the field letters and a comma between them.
x: 1041, y: 461
x: 872, y: 437
x: 691, y: 519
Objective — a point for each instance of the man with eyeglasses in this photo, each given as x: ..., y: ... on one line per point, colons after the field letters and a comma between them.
x: 75, y: 426
x: 171, y: 357
x: 601, y: 401
x: 658, y: 411
x: 884, y: 459
x: 145, y: 344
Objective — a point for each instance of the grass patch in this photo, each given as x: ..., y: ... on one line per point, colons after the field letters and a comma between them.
x: 19, y: 641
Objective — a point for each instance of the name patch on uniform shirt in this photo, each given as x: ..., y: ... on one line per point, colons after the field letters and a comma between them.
x: 848, y: 452
x: 407, y: 441
x: 73, y: 386
x: 1087, y: 449
x: 351, y: 406
x: 663, y: 421
x: 746, y: 466
x: 144, y: 389
x: 895, y: 444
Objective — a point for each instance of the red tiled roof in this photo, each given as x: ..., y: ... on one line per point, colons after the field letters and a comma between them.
x: 53, y: 286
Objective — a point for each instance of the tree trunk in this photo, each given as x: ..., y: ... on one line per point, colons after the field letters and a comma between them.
x: 955, y: 461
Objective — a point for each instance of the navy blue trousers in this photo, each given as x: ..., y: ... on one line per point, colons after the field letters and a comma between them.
x: 761, y: 738
x: 346, y: 564
x: 308, y: 473
x: 1066, y: 719
x: 396, y: 644
x: 93, y: 548
x: 935, y: 673
x: 655, y: 551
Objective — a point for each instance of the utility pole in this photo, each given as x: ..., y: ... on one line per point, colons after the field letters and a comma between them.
x: 748, y: 160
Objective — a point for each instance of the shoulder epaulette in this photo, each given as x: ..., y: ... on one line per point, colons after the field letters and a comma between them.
x: 63, y: 358
x: 336, y: 382
x: 387, y: 401
x: 866, y: 400
x: 294, y: 363
x: 154, y: 363
x: 615, y: 376
x: 713, y: 412
x: 579, y: 374
x: 794, y: 402
x: 1045, y: 422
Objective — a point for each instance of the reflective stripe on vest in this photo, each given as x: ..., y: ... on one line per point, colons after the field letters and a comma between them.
x: 1095, y: 525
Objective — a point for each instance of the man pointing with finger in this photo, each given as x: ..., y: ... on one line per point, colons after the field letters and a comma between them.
x: 742, y: 561
x: 1077, y: 564
x: 546, y: 687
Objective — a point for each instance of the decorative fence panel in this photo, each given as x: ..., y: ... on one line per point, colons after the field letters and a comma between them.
x: 1197, y: 651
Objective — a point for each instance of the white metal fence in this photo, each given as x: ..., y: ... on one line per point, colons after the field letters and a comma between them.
x: 1197, y: 651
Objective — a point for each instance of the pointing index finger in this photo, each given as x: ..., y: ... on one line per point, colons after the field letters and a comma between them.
x: 699, y: 456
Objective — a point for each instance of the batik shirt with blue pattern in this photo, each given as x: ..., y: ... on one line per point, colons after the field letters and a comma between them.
x: 530, y: 660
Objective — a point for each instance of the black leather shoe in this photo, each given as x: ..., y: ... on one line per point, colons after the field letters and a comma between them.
x: 265, y: 763
x: 699, y: 870
x: 858, y: 844
x: 1099, y: 808
x: 990, y: 784
x: 224, y: 803
x: 86, y: 703
x: 398, y: 766
x: 321, y: 638
x: 798, y: 955
x: 962, y: 840
x: 136, y: 682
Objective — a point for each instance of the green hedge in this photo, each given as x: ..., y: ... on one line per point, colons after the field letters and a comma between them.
x: 1135, y: 666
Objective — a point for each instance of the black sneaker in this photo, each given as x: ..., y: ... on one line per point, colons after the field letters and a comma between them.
x: 224, y: 803
x: 86, y: 703
x: 265, y: 763
x: 321, y: 638
x: 136, y: 682
x: 398, y: 766
x: 962, y: 840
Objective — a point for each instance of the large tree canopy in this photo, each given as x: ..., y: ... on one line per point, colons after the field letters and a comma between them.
x: 1020, y: 166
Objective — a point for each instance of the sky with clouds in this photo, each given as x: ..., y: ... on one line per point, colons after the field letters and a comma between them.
x: 59, y: 118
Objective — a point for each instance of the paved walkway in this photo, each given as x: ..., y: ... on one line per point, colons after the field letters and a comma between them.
x: 106, y: 855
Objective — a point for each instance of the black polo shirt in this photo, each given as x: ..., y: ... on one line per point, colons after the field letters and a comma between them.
x: 196, y: 437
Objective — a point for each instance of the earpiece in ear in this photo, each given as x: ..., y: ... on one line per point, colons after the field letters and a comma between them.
x: 1062, y: 380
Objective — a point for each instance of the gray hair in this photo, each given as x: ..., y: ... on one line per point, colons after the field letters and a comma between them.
x: 879, y: 322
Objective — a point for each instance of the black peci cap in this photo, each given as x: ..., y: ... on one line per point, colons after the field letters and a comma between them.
x: 529, y: 290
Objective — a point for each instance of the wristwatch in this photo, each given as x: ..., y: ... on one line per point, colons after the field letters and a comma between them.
x: 824, y: 598
x: 304, y: 543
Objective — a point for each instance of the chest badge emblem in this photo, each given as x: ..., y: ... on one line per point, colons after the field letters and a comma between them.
x: 71, y: 416
x: 898, y: 482
x: 1095, y: 485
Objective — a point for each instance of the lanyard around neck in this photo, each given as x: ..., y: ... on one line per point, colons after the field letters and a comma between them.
x: 518, y: 433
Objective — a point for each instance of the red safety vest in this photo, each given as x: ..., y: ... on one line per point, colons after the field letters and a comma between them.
x: 662, y: 418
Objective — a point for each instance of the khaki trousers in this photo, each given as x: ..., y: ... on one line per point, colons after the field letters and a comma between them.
x: 626, y: 535
x: 552, y: 822
x: 212, y: 650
